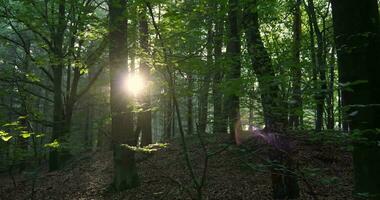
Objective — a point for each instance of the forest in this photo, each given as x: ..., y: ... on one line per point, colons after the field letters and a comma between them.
x: 189, y: 99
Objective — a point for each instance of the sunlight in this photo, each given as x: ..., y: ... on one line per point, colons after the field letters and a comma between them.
x: 135, y: 84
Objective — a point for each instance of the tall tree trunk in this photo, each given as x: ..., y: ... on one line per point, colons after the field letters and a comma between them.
x: 313, y: 57
x: 57, y: 60
x: 320, y: 66
x: 231, y: 103
x: 145, y: 117
x: 87, y: 126
x: 273, y: 105
x: 250, y: 118
x: 168, y: 116
x: 330, y: 100
x: 218, y: 125
x: 205, y: 85
x: 296, y: 100
x: 125, y: 172
x: 284, y: 183
x: 357, y: 38
x: 190, y: 120
x: 58, y: 120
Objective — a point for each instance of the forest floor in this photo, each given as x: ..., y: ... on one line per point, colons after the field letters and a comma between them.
x: 233, y: 173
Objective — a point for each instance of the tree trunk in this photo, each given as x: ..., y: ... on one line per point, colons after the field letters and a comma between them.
x: 125, y: 172
x: 58, y: 119
x: 205, y: 85
x: 168, y: 116
x: 284, y: 183
x: 190, y: 120
x: 320, y: 66
x: 218, y: 125
x: 273, y: 105
x: 58, y: 65
x: 231, y: 103
x: 296, y: 100
x: 330, y: 102
x: 145, y: 117
x: 357, y: 36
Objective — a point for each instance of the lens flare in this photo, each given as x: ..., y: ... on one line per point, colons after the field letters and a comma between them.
x: 135, y: 84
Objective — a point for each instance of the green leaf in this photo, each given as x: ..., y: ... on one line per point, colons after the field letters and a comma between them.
x: 22, y: 117
x: 25, y: 134
x: 3, y: 133
x: 147, y: 149
x: 6, y: 138
x: 54, y: 145
x: 16, y: 123
x: 32, y: 78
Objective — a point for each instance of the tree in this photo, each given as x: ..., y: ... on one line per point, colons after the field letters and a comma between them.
x: 57, y: 27
x: 295, y: 118
x: 232, y: 101
x: 320, y: 65
x: 357, y: 37
x: 284, y: 183
x: 145, y: 117
x: 125, y: 174
x: 190, y: 120
x: 219, y: 126
x: 205, y: 84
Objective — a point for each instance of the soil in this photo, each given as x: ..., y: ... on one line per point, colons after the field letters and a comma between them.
x: 324, y: 170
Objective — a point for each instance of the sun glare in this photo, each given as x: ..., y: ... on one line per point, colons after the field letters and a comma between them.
x: 135, y: 84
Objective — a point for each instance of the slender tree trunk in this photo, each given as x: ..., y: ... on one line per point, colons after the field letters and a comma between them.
x: 357, y: 38
x: 190, y: 120
x: 173, y: 132
x: 320, y: 66
x: 218, y: 125
x: 330, y: 102
x: 145, y: 117
x: 90, y: 135
x: 168, y: 117
x: 87, y: 127
x: 313, y: 57
x: 125, y: 172
x: 250, y: 120
x: 205, y: 85
x: 296, y: 100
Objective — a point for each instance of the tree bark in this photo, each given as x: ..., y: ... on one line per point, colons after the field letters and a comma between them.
x: 205, y: 85
x: 330, y: 100
x: 190, y: 120
x: 232, y: 102
x: 296, y: 100
x: 357, y: 36
x: 145, y: 117
x: 284, y: 183
x: 125, y: 172
x: 218, y: 125
x: 57, y: 67
x: 273, y: 105
x: 321, y: 65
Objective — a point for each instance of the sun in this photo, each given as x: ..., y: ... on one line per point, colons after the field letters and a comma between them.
x: 135, y: 84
